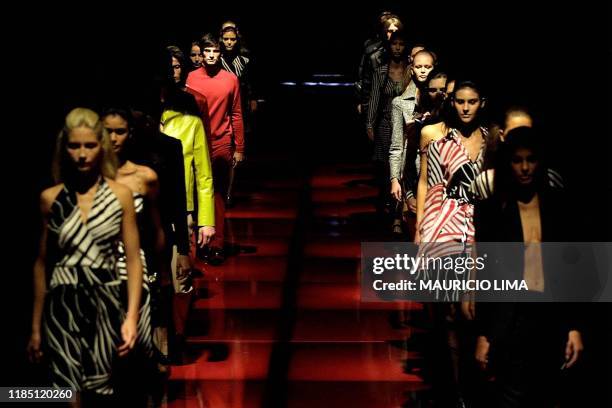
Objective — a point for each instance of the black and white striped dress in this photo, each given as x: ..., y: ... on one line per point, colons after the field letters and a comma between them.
x: 236, y: 64
x: 83, y: 310
x: 145, y: 331
x: 384, y: 89
x: 240, y: 66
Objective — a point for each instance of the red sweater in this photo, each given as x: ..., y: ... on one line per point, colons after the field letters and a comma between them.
x: 222, y: 93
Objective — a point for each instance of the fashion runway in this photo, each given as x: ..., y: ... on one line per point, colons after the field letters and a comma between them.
x: 287, y: 303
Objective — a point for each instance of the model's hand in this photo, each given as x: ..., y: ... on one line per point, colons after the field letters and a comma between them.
x: 190, y: 223
x: 129, y: 333
x: 468, y: 308
x: 371, y: 134
x: 412, y: 204
x: 183, y: 266
x: 253, y: 105
x: 482, y: 352
x: 573, y: 348
x: 205, y: 234
x: 417, y: 237
x: 34, y: 349
x: 396, y: 189
x: 359, y: 108
x: 237, y: 159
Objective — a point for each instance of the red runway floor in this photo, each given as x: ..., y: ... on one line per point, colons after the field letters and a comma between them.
x: 340, y: 351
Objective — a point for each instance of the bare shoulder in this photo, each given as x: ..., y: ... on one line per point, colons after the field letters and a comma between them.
x: 431, y: 132
x: 148, y: 174
x: 48, y: 196
x: 123, y: 193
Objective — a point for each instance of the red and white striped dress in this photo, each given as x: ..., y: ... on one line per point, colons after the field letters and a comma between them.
x: 449, y: 204
x: 447, y: 227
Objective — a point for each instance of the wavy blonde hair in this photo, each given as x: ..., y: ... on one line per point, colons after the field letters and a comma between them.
x: 83, y: 118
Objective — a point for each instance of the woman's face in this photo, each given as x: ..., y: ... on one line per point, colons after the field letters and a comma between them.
x: 229, y: 40
x: 195, y: 56
x: 118, y: 130
x: 422, y: 66
x: 84, y: 149
x: 437, y: 88
x: 398, y: 46
x: 467, y: 103
x: 176, y: 70
x: 524, y: 166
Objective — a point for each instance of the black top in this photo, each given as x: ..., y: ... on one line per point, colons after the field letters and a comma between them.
x: 165, y: 156
x: 501, y: 222
x: 242, y: 67
x: 373, y: 57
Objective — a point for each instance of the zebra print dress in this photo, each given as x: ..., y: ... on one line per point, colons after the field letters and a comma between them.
x: 145, y: 331
x: 236, y: 64
x: 83, y: 311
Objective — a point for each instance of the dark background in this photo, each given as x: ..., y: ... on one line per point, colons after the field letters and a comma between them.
x: 554, y: 59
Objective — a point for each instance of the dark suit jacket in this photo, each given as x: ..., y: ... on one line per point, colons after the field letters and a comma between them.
x: 496, y: 222
x: 165, y: 156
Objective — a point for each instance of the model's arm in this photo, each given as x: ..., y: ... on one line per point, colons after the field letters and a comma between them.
x: 396, y: 150
x: 204, y: 184
x: 40, y: 282
x: 152, y: 182
x: 131, y: 242
x: 250, y: 82
x: 573, y: 314
x: 359, y: 82
x: 373, y: 103
x: 427, y: 135
x: 178, y: 197
x: 152, y: 194
x: 366, y: 82
x: 236, y: 116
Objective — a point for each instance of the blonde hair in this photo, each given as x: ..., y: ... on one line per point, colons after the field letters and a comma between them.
x: 83, y: 118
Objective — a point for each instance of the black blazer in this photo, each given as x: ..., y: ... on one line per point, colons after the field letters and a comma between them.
x: 165, y: 156
x: 498, y: 222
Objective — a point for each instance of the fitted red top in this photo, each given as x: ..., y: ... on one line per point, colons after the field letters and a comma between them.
x: 222, y: 93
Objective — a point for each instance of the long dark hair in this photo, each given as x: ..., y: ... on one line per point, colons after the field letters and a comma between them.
x: 172, y: 51
x: 174, y: 96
